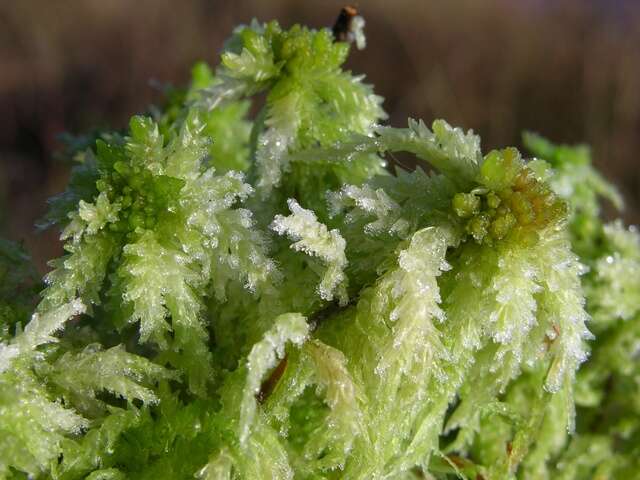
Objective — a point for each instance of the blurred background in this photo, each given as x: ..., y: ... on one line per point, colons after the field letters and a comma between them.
x: 569, y: 69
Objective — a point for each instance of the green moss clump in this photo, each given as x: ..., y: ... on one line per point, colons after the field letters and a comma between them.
x: 257, y: 298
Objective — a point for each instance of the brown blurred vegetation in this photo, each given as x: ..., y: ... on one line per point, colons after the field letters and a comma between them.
x: 569, y: 69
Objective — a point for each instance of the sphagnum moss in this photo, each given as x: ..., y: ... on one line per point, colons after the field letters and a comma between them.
x: 257, y: 298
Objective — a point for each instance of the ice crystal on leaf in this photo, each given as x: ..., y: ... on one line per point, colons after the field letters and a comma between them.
x: 32, y: 426
x: 263, y: 356
x: 314, y: 239
x: 310, y: 100
x: 605, y: 441
x: 254, y: 297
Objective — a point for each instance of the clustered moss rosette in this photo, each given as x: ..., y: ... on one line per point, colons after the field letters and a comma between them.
x: 258, y: 298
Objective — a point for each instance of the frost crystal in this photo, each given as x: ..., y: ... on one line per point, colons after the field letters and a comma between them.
x: 263, y: 356
x: 313, y: 238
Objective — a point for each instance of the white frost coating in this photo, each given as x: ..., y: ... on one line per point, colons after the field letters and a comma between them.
x: 562, y: 295
x: 514, y: 306
x: 365, y: 202
x: 345, y: 422
x: 99, y: 214
x: 29, y: 418
x: 416, y: 295
x: 357, y: 30
x: 7, y: 353
x: 210, y: 194
x: 452, y: 151
x: 400, y: 318
x: 289, y: 327
x: 273, y: 144
x: 90, y: 218
x: 114, y: 370
x: 455, y: 143
x: 235, y: 249
x: 226, y: 91
x: 271, y: 159
x: 313, y: 238
x: 615, y: 291
x: 42, y: 326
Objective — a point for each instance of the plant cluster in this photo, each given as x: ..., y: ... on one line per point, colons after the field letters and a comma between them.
x: 248, y: 293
